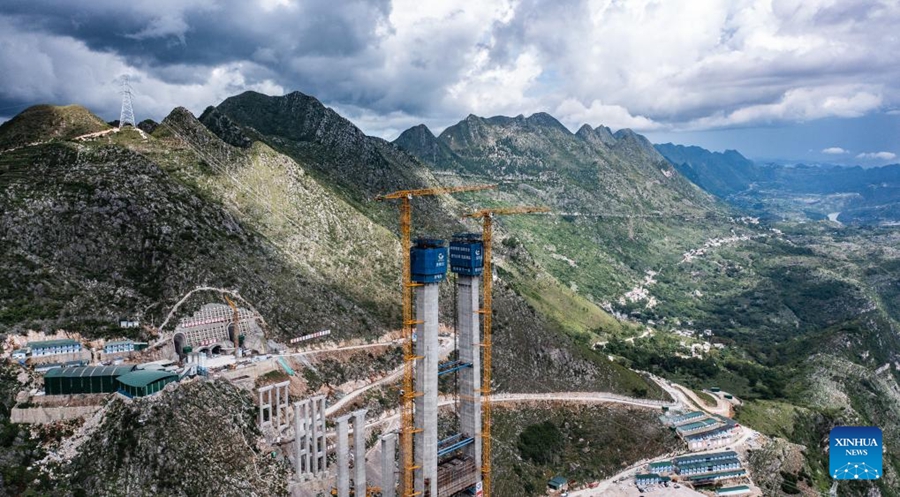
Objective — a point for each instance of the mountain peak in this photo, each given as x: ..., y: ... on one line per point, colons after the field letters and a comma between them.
x: 627, y: 138
x: 43, y: 122
x: 601, y: 135
x: 421, y: 142
x: 421, y: 129
x: 538, y: 120
x: 295, y: 116
x: 546, y: 120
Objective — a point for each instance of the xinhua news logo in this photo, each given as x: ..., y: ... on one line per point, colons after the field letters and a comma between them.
x: 855, y: 453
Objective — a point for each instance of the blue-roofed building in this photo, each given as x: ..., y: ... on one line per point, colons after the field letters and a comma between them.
x: 700, y: 468
x: 118, y: 346
x: 54, y: 347
x: 43, y: 368
x: 700, y: 458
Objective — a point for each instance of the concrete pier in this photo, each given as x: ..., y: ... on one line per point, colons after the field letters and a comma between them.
x: 359, y: 452
x: 317, y: 435
x: 469, y: 338
x: 426, y: 418
x: 388, y: 479
x: 278, y: 412
x: 302, y: 444
x: 343, y: 457
x: 265, y: 405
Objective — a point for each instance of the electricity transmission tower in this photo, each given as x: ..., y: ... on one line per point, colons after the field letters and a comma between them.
x: 127, y: 115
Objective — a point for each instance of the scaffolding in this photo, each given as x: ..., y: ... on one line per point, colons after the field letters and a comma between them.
x: 409, y: 393
x: 487, y: 217
x: 456, y: 475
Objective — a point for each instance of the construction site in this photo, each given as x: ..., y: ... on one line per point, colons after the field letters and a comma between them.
x: 409, y: 458
x: 325, y: 445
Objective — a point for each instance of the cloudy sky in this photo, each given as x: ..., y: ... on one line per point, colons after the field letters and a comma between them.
x: 792, y: 79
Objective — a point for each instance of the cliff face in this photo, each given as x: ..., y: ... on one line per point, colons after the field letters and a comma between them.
x: 125, y: 227
x: 197, y: 439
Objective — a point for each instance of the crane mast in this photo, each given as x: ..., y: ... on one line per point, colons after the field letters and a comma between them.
x: 236, y: 317
x: 408, y: 395
x: 487, y: 217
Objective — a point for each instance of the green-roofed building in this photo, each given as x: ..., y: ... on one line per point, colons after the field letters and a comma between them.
x: 680, y: 419
x: 662, y: 467
x: 558, y: 483
x: 86, y: 379
x: 697, y: 425
x: 144, y: 382
x: 650, y: 479
x: 709, y: 477
x: 738, y: 490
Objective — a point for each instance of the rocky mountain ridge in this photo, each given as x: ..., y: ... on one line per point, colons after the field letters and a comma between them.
x: 273, y: 196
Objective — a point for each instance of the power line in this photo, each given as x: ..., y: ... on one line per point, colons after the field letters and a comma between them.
x: 219, y: 167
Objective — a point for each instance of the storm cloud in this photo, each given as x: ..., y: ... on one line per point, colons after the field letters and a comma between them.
x: 651, y: 65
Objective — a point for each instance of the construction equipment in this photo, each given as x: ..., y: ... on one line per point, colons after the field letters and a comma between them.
x: 237, y: 330
x: 487, y: 217
x: 408, y: 394
x: 370, y: 491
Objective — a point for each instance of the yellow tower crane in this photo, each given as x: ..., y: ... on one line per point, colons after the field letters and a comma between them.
x: 236, y: 317
x: 487, y: 217
x: 409, y: 394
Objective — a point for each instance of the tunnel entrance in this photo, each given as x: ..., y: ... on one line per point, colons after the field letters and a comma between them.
x: 179, y: 341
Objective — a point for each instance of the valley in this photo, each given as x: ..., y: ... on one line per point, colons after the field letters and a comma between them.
x: 642, y: 267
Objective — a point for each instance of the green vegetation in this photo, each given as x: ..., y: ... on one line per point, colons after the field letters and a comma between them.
x: 632, y: 254
x: 771, y: 418
x: 42, y: 123
x: 541, y: 443
x: 19, y: 450
x: 537, y: 442
x: 708, y: 400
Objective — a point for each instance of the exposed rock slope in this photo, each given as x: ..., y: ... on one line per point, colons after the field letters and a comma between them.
x: 197, y: 439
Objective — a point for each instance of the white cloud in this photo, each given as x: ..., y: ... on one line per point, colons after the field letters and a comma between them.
x: 710, y: 64
x: 573, y: 113
x: 835, y: 151
x: 877, y: 156
x: 645, y: 64
x: 488, y: 88
x: 90, y: 78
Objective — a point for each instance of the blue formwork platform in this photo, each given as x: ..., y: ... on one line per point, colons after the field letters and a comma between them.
x: 428, y: 260
x: 467, y: 254
x: 453, y: 443
x: 449, y: 367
